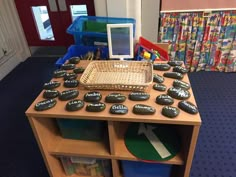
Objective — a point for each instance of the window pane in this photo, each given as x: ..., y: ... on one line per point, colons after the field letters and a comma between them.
x: 43, y: 23
x: 78, y: 10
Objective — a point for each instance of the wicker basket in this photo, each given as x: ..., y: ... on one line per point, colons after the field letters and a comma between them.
x: 117, y: 75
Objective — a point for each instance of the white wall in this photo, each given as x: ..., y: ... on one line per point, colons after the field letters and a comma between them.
x: 17, y: 48
x: 100, y: 7
x: 150, y: 19
x: 146, y: 13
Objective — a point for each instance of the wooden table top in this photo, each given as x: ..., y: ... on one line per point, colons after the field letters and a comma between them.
x: 59, y: 110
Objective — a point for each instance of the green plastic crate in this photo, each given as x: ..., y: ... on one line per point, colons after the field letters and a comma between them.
x: 81, y: 129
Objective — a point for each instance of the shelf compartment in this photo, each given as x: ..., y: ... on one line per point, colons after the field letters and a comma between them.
x: 122, y: 153
x: 85, y: 166
x: 58, y: 170
x: 49, y: 135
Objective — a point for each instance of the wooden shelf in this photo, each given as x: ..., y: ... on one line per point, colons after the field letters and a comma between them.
x: 52, y: 145
x: 69, y: 147
x: 122, y: 153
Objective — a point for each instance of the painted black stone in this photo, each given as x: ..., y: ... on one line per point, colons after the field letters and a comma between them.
x: 74, y: 60
x: 78, y: 70
x: 164, y: 99
x: 68, y: 94
x: 51, y: 85
x: 161, y: 66
x: 95, y: 107
x: 180, y: 69
x: 158, y: 79
x: 115, y: 98
x: 45, y: 105
x: 170, y: 111
x: 173, y: 75
x: 118, y: 109
x: 70, y: 76
x: 92, y: 97
x: 175, y: 63
x: 59, y: 73
x: 50, y: 94
x: 74, y: 105
x: 181, y: 84
x: 143, y: 109
x: 178, y: 93
x: 188, y: 107
x: 159, y: 87
x: 68, y: 66
x: 71, y: 83
x: 139, y: 96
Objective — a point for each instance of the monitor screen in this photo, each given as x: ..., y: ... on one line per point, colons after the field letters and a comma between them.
x: 120, y: 40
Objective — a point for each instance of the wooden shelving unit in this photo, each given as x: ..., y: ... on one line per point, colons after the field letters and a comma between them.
x: 113, y: 147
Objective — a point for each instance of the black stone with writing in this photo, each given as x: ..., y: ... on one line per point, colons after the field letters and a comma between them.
x: 170, y: 111
x: 158, y: 79
x: 143, y: 109
x: 159, y: 87
x: 173, y: 75
x: 139, y: 96
x: 78, y: 70
x: 188, y: 107
x: 68, y: 66
x: 71, y: 83
x: 92, y: 97
x: 74, y: 60
x: 74, y: 105
x: 115, y: 98
x: 45, y: 104
x: 118, y: 109
x: 50, y: 94
x: 180, y: 69
x: 95, y: 107
x: 178, y: 93
x: 59, y: 73
x: 51, y: 85
x: 164, y: 99
x: 68, y: 94
x: 161, y: 66
x: 181, y: 84
x: 70, y: 76
x: 175, y: 63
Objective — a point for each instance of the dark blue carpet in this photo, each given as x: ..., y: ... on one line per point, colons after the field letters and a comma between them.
x: 19, y: 152
x: 215, y: 94
x: 215, y: 154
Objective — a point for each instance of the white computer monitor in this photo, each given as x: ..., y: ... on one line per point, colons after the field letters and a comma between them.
x: 120, y: 41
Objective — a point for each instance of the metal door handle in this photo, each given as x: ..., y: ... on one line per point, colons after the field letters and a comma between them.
x: 62, y: 5
x: 52, y: 5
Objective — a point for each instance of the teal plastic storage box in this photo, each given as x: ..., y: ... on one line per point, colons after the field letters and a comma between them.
x: 142, y: 169
x: 92, y: 31
x: 75, y: 51
x: 81, y: 129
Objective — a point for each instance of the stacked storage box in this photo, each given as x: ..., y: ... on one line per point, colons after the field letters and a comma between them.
x: 90, y: 35
x: 92, y: 30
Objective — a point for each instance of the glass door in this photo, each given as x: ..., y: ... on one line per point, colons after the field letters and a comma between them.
x: 70, y: 10
x: 45, y: 21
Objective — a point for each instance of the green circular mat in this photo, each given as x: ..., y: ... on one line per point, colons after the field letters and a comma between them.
x: 152, y: 142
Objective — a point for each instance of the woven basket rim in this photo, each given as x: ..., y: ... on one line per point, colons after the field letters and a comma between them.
x: 148, y: 66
